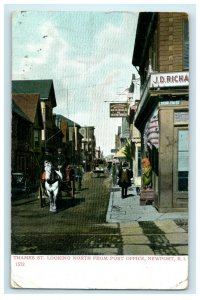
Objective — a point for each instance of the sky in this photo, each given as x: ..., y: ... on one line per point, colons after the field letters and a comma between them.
x: 89, y: 57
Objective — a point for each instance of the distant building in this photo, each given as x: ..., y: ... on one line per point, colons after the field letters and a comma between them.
x: 88, y: 146
x: 71, y: 139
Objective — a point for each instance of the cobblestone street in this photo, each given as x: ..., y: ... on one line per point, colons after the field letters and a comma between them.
x: 80, y: 228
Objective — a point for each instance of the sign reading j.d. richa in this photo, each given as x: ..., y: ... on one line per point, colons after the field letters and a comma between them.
x: 169, y: 79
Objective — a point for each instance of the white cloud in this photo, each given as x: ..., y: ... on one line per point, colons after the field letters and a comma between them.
x: 82, y: 82
x: 114, y: 38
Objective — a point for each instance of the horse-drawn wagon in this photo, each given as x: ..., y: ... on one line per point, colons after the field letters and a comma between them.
x: 56, y: 184
x: 99, y: 167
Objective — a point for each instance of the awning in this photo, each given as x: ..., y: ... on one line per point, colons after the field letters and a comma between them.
x: 120, y: 153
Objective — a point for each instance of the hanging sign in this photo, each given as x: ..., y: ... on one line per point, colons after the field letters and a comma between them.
x: 118, y: 110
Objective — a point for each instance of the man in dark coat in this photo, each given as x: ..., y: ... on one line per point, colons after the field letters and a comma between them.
x: 125, y: 176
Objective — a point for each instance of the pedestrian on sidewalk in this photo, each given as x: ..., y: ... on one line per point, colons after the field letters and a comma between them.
x: 125, y: 175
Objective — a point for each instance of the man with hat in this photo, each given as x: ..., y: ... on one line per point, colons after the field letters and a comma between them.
x: 125, y: 175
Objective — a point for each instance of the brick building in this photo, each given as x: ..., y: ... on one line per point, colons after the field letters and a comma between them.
x: 161, y: 56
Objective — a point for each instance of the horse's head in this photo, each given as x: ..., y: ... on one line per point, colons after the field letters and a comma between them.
x: 48, y: 168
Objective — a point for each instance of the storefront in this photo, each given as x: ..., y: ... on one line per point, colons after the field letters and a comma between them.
x: 162, y: 118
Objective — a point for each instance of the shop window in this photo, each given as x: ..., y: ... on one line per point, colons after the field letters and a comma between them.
x: 182, y: 160
x: 153, y: 156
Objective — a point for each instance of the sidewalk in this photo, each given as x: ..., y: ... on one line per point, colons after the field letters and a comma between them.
x: 129, y: 209
x: 144, y: 230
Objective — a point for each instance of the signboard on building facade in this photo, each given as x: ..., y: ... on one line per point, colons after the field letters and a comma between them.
x: 118, y: 110
x: 173, y: 79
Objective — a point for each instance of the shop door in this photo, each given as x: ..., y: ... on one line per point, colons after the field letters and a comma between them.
x: 180, y: 167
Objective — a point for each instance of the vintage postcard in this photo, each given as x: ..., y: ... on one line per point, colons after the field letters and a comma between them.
x: 99, y: 150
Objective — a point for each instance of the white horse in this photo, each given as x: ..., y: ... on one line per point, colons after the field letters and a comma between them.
x: 52, y: 183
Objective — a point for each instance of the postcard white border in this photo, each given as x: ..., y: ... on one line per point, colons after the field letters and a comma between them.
x: 5, y: 259
x: 99, y: 272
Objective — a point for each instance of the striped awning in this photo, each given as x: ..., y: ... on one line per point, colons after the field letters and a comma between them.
x: 151, y: 132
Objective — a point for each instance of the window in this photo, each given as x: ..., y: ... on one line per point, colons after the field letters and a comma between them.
x: 186, y: 45
x: 153, y: 157
x: 139, y: 162
x: 182, y: 160
x: 154, y: 54
x: 36, y: 138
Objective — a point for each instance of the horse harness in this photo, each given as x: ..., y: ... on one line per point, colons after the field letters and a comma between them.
x: 53, y: 177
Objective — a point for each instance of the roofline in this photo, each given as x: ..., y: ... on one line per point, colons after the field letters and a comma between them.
x: 145, y: 27
x: 54, y: 103
x: 38, y: 107
x: 67, y: 119
x: 21, y: 113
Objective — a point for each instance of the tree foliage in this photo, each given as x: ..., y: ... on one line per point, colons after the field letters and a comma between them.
x: 127, y: 151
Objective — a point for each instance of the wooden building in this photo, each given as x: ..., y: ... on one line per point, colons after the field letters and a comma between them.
x: 71, y: 139
x: 27, y: 124
x: 88, y: 146
x: 45, y: 89
x: 161, y: 56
